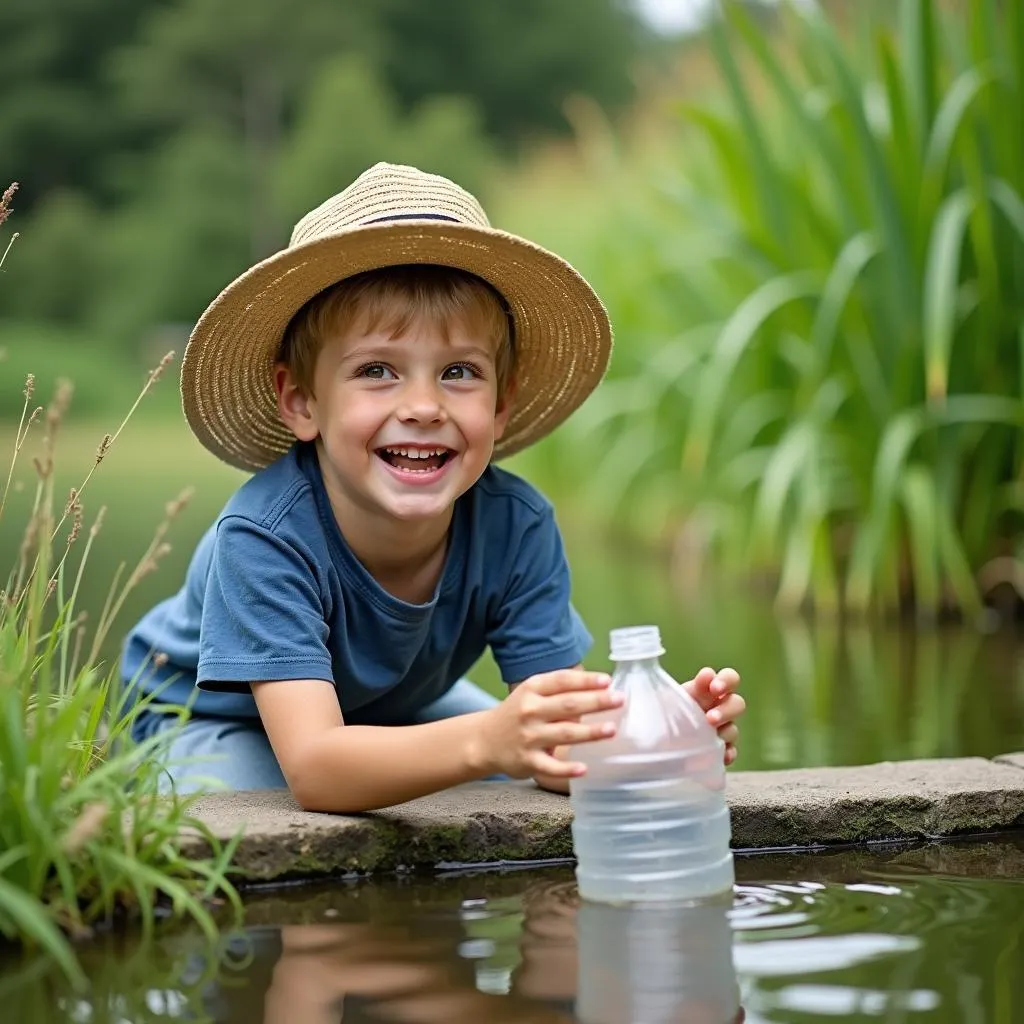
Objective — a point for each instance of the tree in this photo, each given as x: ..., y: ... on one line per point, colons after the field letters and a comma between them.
x: 519, y: 61
x: 350, y: 121
x: 240, y: 66
x: 57, y: 116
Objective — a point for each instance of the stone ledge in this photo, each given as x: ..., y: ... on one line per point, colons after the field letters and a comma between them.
x: 496, y: 822
x: 1013, y: 760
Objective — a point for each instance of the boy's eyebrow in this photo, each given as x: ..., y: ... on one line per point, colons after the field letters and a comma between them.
x: 385, y: 352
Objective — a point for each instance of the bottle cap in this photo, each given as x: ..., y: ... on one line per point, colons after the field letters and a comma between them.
x: 635, y: 642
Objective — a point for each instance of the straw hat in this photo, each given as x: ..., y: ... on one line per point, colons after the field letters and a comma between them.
x: 390, y: 215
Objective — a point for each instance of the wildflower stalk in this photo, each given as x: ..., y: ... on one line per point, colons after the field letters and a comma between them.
x: 24, y: 424
x: 14, y: 238
x: 5, y: 212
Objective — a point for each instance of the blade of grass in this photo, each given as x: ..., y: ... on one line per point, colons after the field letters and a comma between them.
x: 737, y: 335
x: 940, y: 290
x: 29, y: 919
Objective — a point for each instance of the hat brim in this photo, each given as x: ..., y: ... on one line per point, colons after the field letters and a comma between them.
x: 563, y: 338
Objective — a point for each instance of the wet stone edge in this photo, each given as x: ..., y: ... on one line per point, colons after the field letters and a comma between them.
x: 494, y: 823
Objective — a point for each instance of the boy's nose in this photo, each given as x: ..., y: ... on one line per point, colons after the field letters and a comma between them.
x: 421, y: 403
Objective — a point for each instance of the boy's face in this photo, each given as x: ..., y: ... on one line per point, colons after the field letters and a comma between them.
x: 407, y: 424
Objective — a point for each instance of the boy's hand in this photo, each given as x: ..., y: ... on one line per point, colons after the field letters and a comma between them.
x: 716, y: 694
x: 540, y: 714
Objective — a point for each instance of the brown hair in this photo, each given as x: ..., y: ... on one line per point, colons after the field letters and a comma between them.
x: 392, y: 299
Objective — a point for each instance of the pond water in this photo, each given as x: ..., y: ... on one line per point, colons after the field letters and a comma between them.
x: 920, y: 934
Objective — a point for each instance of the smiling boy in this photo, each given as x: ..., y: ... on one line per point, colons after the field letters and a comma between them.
x: 370, y: 374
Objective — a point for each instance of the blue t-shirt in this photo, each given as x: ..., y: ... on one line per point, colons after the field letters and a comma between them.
x: 273, y: 592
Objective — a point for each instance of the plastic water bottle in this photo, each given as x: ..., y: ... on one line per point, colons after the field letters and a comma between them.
x: 650, y: 819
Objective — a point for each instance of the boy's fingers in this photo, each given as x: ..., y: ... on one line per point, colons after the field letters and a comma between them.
x: 551, y: 683
x: 730, y: 754
x: 727, y: 681
x: 544, y: 764
x: 569, y: 706
x: 699, y: 687
x: 563, y: 734
x: 727, y: 710
x: 729, y: 734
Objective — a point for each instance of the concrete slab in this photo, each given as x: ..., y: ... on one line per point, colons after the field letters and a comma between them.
x: 871, y: 803
x: 482, y: 822
x: 499, y: 822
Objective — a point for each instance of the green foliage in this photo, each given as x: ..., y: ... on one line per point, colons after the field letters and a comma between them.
x: 349, y: 121
x: 519, y: 61
x: 130, y: 979
x: 140, y: 123
x: 189, y: 227
x: 85, y: 833
x: 844, y: 238
x: 170, y: 143
x: 56, y: 268
x: 59, y: 120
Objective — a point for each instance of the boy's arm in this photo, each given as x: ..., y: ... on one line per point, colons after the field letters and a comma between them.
x: 330, y: 766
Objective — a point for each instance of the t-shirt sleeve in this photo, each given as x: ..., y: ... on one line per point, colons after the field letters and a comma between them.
x: 536, y: 629
x: 263, y: 615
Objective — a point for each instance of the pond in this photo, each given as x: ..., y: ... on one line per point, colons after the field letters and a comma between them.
x: 920, y: 934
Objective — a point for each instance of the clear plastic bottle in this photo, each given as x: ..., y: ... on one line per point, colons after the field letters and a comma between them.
x: 650, y: 819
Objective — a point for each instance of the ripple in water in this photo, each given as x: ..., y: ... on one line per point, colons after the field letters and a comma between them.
x: 900, y: 947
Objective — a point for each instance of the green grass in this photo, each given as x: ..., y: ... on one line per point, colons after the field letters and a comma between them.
x: 105, y: 377
x: 86, y: 836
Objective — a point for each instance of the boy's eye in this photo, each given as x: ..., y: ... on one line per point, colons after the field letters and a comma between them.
x: 376, y: 371
x: 460, y: 371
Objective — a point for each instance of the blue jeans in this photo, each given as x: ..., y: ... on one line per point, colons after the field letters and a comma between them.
x: 214, y: 753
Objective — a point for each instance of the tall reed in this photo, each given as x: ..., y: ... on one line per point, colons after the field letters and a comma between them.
x: 841, y: 233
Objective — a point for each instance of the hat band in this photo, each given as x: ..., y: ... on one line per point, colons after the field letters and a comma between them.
x: 412, y: 216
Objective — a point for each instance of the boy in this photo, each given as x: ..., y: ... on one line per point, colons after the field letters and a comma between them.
x: 369, y: 373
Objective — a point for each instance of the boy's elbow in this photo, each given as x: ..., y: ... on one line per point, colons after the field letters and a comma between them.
x: 307, y: 797
x: 312, y: 797
x: 305, y: 778
x: 313, y: 789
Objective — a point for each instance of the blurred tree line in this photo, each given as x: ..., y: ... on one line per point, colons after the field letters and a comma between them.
x: 163, y: 145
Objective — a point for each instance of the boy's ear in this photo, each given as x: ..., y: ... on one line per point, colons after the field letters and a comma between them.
x: 293, y: 405
x: 504, y: 409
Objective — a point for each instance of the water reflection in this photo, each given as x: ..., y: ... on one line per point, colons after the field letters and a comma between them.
x: 569, y: 961
x: 656, y: 964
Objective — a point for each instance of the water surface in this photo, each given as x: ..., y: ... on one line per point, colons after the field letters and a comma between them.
x: 924, y: 934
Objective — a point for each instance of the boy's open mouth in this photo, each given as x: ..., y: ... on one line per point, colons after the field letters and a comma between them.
x: 415, y: 460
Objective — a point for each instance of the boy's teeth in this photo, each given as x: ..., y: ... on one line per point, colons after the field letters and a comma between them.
x: 416, y: 453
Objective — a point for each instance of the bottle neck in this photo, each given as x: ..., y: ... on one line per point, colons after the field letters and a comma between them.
x: 652, y: 661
